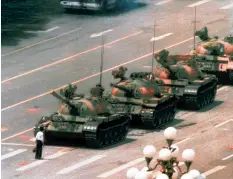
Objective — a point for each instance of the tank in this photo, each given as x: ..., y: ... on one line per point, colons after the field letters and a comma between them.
x: 140, y: 97
x: 91, y: 119
x: 215, y: 56
x: 181, y: 76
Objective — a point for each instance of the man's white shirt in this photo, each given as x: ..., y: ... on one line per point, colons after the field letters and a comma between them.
x: 40, y: 136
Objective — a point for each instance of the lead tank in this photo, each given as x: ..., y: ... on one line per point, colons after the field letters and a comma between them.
x: 181, y: 76
x: 215, y: 56
x: 92, y: 119
x: 140, y: 97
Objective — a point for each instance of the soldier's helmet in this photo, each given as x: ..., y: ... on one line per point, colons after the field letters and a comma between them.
x: 162, y: 55
x: 229, y: 39
x: 202, y: 34
x: 120, y: 73
x: 97, y: 91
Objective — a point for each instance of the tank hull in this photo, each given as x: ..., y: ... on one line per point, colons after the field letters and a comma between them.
x: 98, y: 132
x: 193, y: 95
x: 222, y: 67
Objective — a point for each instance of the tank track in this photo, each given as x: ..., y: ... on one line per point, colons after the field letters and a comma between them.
x: 230, y: 76
x: 204, y: 98
x: 161, y: 115
x: 106, y: 136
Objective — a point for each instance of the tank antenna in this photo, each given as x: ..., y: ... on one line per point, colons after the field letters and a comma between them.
x: 152, y: 66
x: 194, y: 28
x: 102, y: 56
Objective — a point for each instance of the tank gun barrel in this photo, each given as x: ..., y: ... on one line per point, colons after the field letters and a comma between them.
x: 123, y: 88
x: 63, y: 99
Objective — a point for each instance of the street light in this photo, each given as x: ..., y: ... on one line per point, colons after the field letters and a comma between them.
x: 167, y: 160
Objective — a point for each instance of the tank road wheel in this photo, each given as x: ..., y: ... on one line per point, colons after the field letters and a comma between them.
x: 116, y: 135
x: 100, y: 139
x: 124, y: 130
x: 111, y: 136
x: 106, y: 137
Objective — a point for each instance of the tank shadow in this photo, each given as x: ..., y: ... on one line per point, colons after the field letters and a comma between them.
x: 139, y: 125
x: 205, y: 109
x: 212, y: 106
x: 82, y: 145
x: 130, y: 7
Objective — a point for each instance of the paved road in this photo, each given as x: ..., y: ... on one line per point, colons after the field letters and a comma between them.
x: 69, y: 54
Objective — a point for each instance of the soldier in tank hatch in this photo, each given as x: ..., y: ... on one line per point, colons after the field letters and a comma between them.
x: 97, y: 91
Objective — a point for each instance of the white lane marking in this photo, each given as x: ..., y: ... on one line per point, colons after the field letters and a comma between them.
x: 225, y: 158
x: 199, y: 3
x: 39, y: 162
x: 78, y: 165
x: 220, y: 89
x: 182, y: 141
x: 221, y: 124
x: 41, y: 42
x: 49, y: 30
x: 33, y: 139
x: 213, y: 170
x: 101, y: 33
x: 147, y: 66
x: 16, y: 144
x: 162, y: 2
x: 11, y: 154
x: 160, y: 37
x: 227, y: 6
x: 44, y: 31
x: 122, y: 167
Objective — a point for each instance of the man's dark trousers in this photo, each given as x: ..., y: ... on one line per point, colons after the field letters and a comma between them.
x: 39, y: 146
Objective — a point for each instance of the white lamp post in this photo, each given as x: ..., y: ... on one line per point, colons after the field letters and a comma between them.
x: 188, y: 157
x: 167, y: 159
x: 162, y: 176
x: 131, y: 173
x: 170, y: 135
x: 149, y: 152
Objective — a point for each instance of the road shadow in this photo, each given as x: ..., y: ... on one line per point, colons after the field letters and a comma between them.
x: 82, y: 145
x: 19, y: 17
x: 129, y: 7
x: 212, y: 106
x: 205, y: 109
x: 144, y: 130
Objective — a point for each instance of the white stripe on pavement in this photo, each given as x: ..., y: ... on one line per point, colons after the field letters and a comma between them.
x: 78, y: 165
x: 221, y: 124
x: 101, y: 33
x: 227, y: 157
x: 160, y: 37
x: 162, y: 2
x: 199, y: 3
x: 33, y: 139
x: 213, y: 170
x: 39, y: 162
x: 227, y: 6
x: 11, y: 154
x: 122, y: 167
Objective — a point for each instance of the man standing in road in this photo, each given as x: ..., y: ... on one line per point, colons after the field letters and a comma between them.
x: 39, y: 143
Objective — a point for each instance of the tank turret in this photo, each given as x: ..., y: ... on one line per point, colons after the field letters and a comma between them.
x: 177, y: 67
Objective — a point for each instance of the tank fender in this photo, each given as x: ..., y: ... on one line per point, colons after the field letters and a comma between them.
x: 191, y: 90
x: 230, y: 65
x: 91, y: 126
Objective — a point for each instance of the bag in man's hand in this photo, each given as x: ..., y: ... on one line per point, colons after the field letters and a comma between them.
x: 34, y: 150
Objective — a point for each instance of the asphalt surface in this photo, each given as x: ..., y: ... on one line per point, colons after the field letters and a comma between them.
x: 67, y: 54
